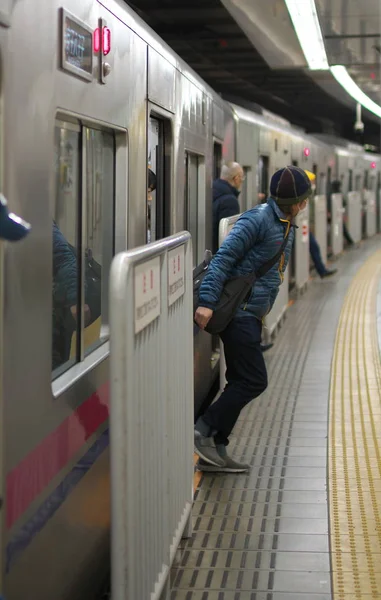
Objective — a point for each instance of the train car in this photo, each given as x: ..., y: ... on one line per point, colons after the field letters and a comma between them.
x: 96, y: 103
x: 109, y: 141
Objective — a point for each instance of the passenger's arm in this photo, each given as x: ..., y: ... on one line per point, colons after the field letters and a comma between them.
x: 242, y: 237
x: 65, y: 266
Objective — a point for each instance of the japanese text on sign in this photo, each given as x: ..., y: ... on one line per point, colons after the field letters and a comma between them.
x: 176, y: 281
x: 147, y: 293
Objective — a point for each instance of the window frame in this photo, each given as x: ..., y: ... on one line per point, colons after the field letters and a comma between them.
x: 86, y: 362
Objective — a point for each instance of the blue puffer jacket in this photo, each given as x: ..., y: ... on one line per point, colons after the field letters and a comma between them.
x: 254, y: 239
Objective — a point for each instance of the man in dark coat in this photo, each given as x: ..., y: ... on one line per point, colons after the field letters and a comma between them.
x: 226, y: 190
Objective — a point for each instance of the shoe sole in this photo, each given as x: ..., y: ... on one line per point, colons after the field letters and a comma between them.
x: 214, y: 469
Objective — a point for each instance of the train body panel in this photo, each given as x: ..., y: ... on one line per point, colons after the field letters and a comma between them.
x: 77, y: 152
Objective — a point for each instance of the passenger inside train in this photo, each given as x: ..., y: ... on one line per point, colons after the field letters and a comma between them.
x: 226, y: 190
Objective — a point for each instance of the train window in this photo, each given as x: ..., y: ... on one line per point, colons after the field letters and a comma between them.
x: 192, y: 164
x: 358, y: 183
x: 158, y: 164
x: 350, y: 180
x: 366, y: 179
x: 372, y: 183
x: 295, y: 163
x: 83, y: 241
x: 263, y: 175
x: 276, y: 145
x: 217, y: 160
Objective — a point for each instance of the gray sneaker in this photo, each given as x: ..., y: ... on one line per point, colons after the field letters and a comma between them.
x: 206, y: 449
x: 229, y: 466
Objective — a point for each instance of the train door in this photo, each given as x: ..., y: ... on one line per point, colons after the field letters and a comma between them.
x: 193, y: 182
x: 158, y: 194
x: 83, y: 241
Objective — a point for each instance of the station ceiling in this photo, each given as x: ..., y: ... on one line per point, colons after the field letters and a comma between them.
x: 206, y: 35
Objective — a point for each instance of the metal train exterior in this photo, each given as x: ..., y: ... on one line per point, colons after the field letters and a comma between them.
x: 77, y: 136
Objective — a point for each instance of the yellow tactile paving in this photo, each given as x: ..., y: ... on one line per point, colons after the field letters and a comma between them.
x: 355, y: 443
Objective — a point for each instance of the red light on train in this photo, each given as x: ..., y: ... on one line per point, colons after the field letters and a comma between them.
x: 97, y: 40
x: 306, y: 151
x: 373, y: 165
x: 106, y: 45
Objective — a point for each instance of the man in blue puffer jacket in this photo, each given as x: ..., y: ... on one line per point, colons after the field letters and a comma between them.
x: 254, y: 240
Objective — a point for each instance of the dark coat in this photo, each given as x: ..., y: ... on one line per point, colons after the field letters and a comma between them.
x: 225, y: 204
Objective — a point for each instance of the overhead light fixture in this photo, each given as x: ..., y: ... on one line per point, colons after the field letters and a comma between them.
x: 342, y: 76
x: 305, y: 20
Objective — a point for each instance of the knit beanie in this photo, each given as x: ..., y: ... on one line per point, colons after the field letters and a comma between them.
x: 290, y: 185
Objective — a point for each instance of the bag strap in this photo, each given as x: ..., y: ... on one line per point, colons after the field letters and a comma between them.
x: 270, y: 263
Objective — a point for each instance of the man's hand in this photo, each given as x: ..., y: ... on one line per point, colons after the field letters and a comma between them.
x: 203, y: 316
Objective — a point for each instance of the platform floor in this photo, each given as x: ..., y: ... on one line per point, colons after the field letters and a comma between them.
x: 304, y: 524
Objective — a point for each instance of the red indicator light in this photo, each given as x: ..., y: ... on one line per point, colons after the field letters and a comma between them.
x: 106, y: 33
x: 306, y: 151
x: 373, y: 76
x: 97, y: 40
x: 373, y: 165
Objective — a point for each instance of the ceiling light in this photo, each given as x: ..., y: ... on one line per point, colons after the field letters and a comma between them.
x: 306, y: 24
x: 341, y: 75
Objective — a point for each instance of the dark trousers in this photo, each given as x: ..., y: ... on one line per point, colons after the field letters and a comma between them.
x: 246, y: 375
x: 316, y: 255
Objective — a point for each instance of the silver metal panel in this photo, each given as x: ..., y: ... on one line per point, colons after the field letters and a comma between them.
x: 218, y: 121
x: 151, y: 409
x: 371, y: 213
x: 278, y: 311
x: 320, y: 223
x: 354, y: 215
x: 161, y: 80
x: 301, y: 249
x: 337, y: 224
x: 247, y: 155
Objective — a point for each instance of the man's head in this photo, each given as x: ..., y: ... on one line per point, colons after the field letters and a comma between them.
x: 290, y: 187
x: 232, y: 172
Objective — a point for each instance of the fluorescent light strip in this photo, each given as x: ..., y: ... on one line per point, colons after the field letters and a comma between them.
x: 342, y: 76
x: 306, y: 24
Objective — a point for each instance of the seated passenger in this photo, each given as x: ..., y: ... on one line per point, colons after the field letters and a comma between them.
x: 256, y: 238
x: 226, y: 190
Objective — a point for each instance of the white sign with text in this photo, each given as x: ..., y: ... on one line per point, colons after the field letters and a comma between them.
x: 147, y: 293
x: 176, y: 274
